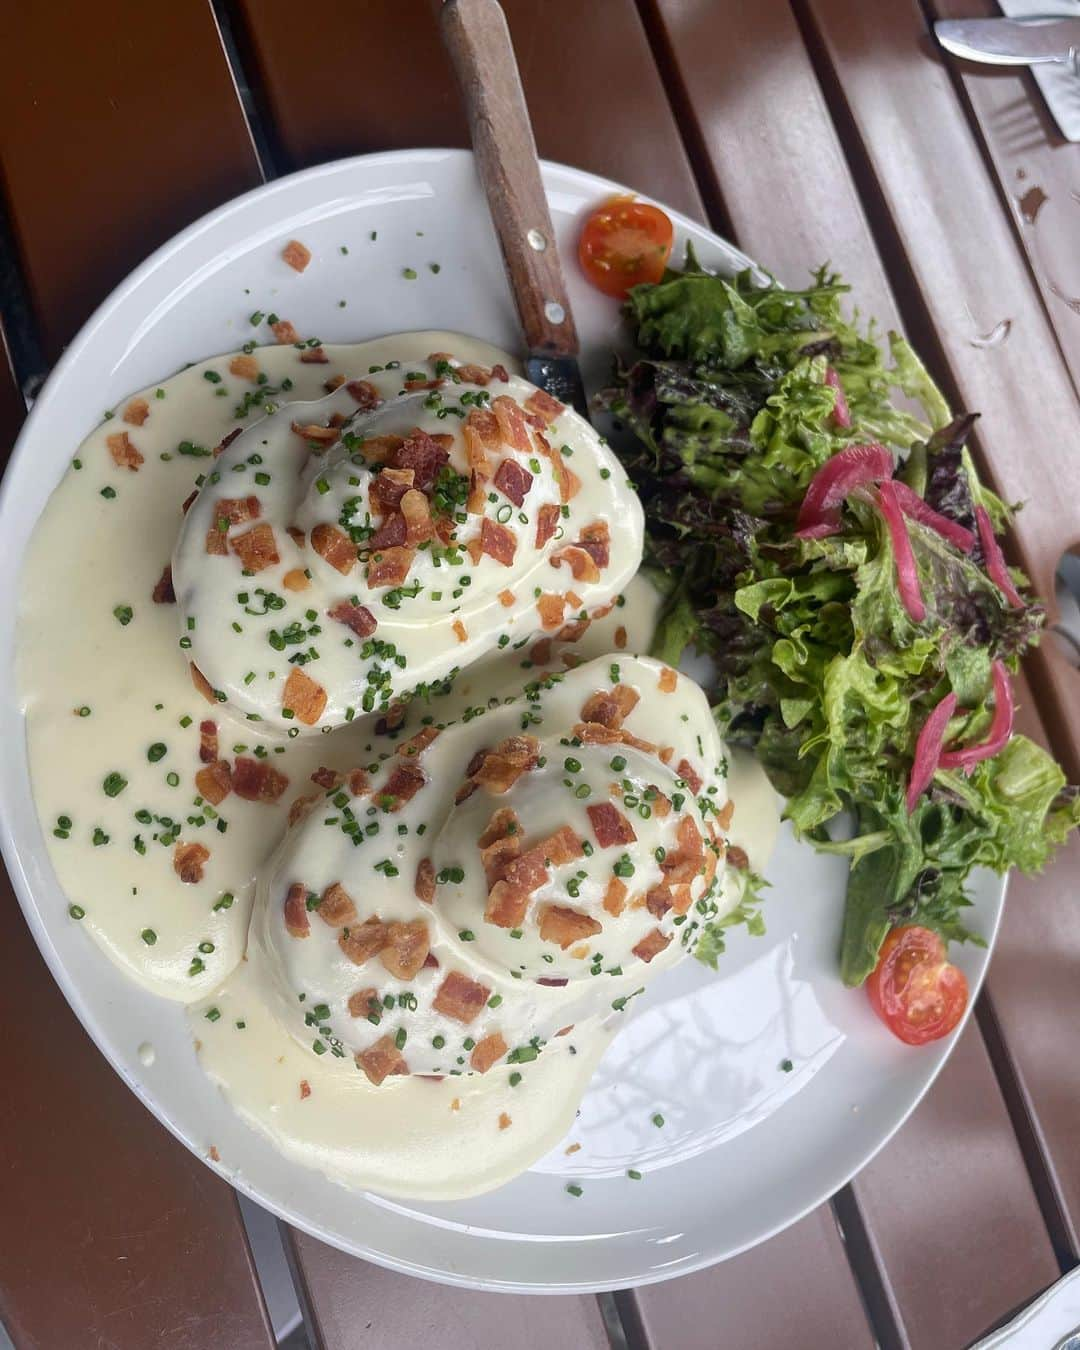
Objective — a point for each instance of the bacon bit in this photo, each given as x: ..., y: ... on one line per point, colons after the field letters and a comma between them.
x: 314, y: 356
x: 284, y: 332
x: 424, y: 455
x: 513, y: 429
x: 615, y: 896
x: 513, y: 481
x: 357, y: 782
x: 581, y: 563
x: 652, y: 944
x: 337, y: 907
x: 424, y: 884
x: 296, y: 535
x: 460, y: 631
x: 485, y: 1053
x: 389, y: 567
x: 504, y: 1120
x: 661, y: 805
x: 214, y: 782
x: 297, y: 922
x: 256, y: 548
x: 595, y: 733
x: 185, y: 505
x: 364, y: 1002
x: 416, y: 510
x: 257, y: 781
x: 365, y: 393
x: 391, y: 719
x: 124, y: 454
x: 506, y: 599
x: 381, y: 1060
x: 473, y: 374
x: 498, y: 854
x: 547, y: 522
x: 477, y: 498
x: 504, y: 822
x: 208, y: 741
x: 381, y: 449
x: 416, y: 745
x: 610, y: 825
x: 431, y: 962
x: 244, y: 368
x: 562, y: 847
x: 364, y: 941
x: 572, y: 632
x: 312, y: 431
x: 163, y: 593
x: 724, y: 815
x: 226, y: 441
x: 212, y: 1152
x: 572, y: 1148
x: 357, y: 618
x: 406, y: 949
x: 506, y: 905
x: 327, y: 778
x: 540, y: 652
x: 681, y: 896
x: 667, y: 681
x: 475, y: 549
x: 304, y: 697
x: 551, y: 608
x: 566, y: 926
x: 737, y: 857
x: 136, y: 412
x: 455, y: 1105
x: 603, y: 707
x: 499, y: 769
x: 481, y: 432
x: 413, y: 385
x: 188, y: 862
x: 335, y: 547
x: 497, y: 541
x: 387, y: 489
x: 569, y: 483
x: 296, y: 254
x: 390, y: 534
x: 217, y: 543
x: 202, y: 684
x: 689, y: 774
x: 544, y: 406
x: 658, y: 900
x: 596, y: 541
x: 461, y: 998
x: 296, y: 580
x: 333, y: 383
x: 402, y: 786
x: 684, y: 863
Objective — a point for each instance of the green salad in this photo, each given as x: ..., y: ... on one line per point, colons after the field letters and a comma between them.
x: 817, y: 527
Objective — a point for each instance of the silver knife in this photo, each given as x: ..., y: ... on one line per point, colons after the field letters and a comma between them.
x: 1013, y: 42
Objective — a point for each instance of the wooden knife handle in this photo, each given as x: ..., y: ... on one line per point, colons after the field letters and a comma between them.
x: 478, y: 41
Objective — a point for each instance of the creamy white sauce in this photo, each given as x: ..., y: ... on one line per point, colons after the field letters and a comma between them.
x: 411, y: 1136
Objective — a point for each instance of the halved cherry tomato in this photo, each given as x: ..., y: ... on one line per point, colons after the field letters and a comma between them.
x: 917, y: 993
x: 624, y: 243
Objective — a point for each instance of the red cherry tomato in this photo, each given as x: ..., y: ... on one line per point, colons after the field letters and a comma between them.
x: 917, y: 993
x: 624, y: 243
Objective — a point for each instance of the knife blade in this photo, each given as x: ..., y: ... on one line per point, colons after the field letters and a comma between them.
x: 1012, y: 42
x: 478, y: 41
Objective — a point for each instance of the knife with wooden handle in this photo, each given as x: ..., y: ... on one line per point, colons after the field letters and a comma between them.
x: 478, y: 41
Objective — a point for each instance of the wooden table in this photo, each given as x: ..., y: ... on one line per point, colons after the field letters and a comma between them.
x: 806, y: 130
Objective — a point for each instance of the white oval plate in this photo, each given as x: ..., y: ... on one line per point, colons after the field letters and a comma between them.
x: 746, y: 1148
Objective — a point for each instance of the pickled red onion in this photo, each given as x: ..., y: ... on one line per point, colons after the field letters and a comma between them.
x: 907, y: 574
x: 841, y: 412
x: 928, y: 750
x: 913, y: 505
x: 995, y: 560
x: 1000, y: 727
x: 839, y: 476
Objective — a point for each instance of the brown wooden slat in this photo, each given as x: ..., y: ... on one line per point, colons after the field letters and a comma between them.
x: 937, y: 202
x: 592, y: 87
x: 794, y: 1290
x: 119, y: 124
x: 363, y: 1305
x: 1037, y: 174
x: 111, y: 1233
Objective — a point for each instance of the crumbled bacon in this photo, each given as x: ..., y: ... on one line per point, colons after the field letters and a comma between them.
x: 284, y: 332
x: 337, y: 907
x: 547, y: 522
x: 487, y: 1052
x: 202, y: 684
x: 364, y: 941
x: 610, y: 825
x: 595, y: 733
x: 297, y: 922
x: 300, y: 809
x: 256, y: 548
x: 365, y: 393
x: 413, y: 385
x: 357, y: 618
x: 123, y: 452
x: 244, y: 368
x: 562, y: 847
x: 404, y: 783
x: 461, y: 998
x: 658, y: 900
x: 652, y: 944
x: 406, y: 949
x: 477, y: 498
x: 304, y: 697
x: 357, y: 782
x: 565, y: 926
x: 314, y: 356
x: 725, y: 814
x: 424, y: 884
x: 684, y: 863
x: 460, y: 631
x: 390, y: 534
x: 690, y: 776
x: 573, y: 632
x: 416, y: 512
x: 334, y: 546
x: 499, y: 843
x: 163, y: 593
x: 365, y: 1003
x: 513, y: 481
x: 189, y: 860
x: 581, y: 564
x: 551, y: 608
x: 668, y: 681
x: 296, y: 580
x: 499, y: 769
x: 389, y: 567
x: 416, y: 745
x: 333, y: 383
x: 424, y: 455
x: 473, y: 374
x: 497, y: 541
x: 217, y: 542
x: 736, y: 856
x: 312, y: 431
x: 620, y: 638
x: 540, y: 652
x: 661, y: 804
x: 544, y: 406
x: 506, y: 599
x: 569, y: 483
x: 682, y: 895
x: 136, y: 412
x: 615, y: 896
x: 296, y: 535
x: 256, y: 780
x: 380, y: 449
x: 296, y: 254
x: 214, y: 782
x: 226, y: 441
x: 327, y: 778
x: 513, y: 429
x: 305, y: 1089
x: 609, y: 707
x: 381, y: 1060
x: 482, y: 437
x: 386, y: 490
